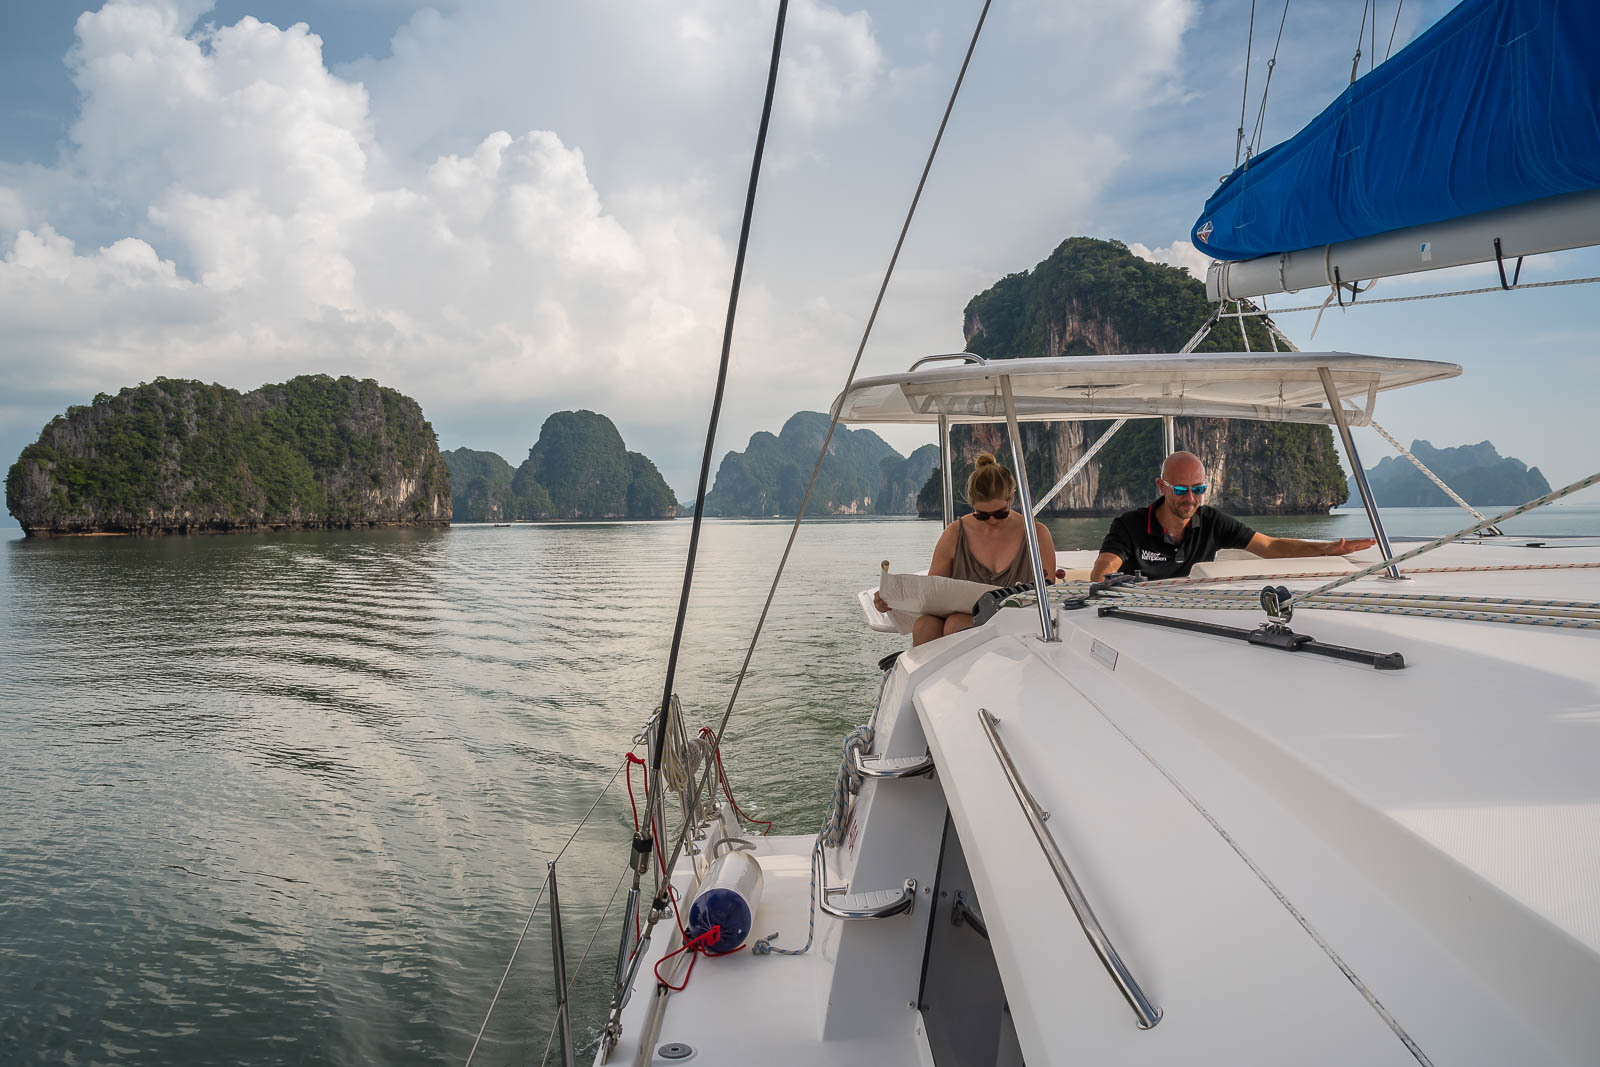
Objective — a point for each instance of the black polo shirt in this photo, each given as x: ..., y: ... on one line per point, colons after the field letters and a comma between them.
x: 1138, y: 537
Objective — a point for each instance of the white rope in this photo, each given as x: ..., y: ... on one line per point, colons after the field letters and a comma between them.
x: 1567, y: 490
x: 1165, y: 582
x: 1432, y: 477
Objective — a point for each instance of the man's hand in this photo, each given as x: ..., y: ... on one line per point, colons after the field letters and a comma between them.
x: 1346, y: 545
x: 879, y: 603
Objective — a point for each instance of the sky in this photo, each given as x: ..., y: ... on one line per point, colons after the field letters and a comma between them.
x: 507, y: 208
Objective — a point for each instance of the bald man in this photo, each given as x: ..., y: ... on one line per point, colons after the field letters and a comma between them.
x: 1167, y: 538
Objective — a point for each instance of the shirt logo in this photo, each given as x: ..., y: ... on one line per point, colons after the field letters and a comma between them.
x: 1147, y: 556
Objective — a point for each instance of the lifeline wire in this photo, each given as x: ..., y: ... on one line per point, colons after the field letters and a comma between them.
x: 532, y: 911
x: 1432, y: 296
x: 654, y: 785
x: 851, y: 377
x: 1582, y: 483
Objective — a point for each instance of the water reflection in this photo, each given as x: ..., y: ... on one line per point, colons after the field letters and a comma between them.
x: 286, y: 798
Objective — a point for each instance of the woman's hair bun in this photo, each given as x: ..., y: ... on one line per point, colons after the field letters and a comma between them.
x: 984, y: 460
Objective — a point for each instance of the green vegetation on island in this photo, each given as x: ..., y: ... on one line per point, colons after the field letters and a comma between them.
x: 1478, y: 472
x: 578, y: 469
x: 1092, y: 296
x: 862, y: 474
x: 176, y: 456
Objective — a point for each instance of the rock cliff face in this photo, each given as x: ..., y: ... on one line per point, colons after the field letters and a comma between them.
x: 902, y: 478
x: 1095, y: 296
x: 1478, y: 472
x: 180, y: 456
x: 862, y: 474
x: 578, y: 469
x: 480, y: 486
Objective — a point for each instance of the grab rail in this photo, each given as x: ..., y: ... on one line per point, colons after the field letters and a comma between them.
x: 878, y: 905
x: 966, y: 357
x: 1147, y: 1013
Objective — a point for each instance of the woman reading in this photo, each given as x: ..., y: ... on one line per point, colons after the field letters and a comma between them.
x: 990, y: 545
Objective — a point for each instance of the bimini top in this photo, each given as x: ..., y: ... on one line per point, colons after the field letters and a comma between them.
x: 1229, y: 385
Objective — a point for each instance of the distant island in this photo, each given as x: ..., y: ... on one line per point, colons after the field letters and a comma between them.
x: 579, y: 469
x: 1478, y: 472
x: 862, y: 475
x: 177, y: 456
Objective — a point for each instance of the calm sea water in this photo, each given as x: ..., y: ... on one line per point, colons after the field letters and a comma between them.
x: 287, y: 799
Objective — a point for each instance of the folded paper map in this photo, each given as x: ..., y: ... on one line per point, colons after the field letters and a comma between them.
x: 926, y: 594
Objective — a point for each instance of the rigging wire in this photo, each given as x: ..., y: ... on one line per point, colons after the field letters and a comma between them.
x: 1244, y: 95
x: 1261, y: 112
x: 1361, y: 34
x: 538, y: 897
x: 833, y: 422
x: 653, y: 788
x: 1430, y: 296
x: 1401, y: 6
x: 1372, y: 60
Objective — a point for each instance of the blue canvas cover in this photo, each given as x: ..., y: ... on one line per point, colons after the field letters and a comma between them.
x: 1497, y: 104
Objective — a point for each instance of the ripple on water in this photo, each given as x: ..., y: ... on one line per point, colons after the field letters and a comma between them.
x: 289, y: 798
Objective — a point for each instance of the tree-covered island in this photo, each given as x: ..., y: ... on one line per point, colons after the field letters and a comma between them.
x: 579, y: 469
x: 177, y: 456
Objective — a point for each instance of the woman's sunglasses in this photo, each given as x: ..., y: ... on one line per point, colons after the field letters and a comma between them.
x: 997, y: 513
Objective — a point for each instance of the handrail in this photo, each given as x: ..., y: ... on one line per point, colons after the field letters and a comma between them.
x: 966, y: 357
x: 1146, y: 1012
x: 866, y: 767
x: 899, y: 905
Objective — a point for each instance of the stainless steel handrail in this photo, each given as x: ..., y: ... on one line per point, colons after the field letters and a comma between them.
x: 967, y: 357
x: 902, y: 904
x: 558, y: 953
x: 1031, y: 527
x: 1146, y: 1012
x: 863, y: 765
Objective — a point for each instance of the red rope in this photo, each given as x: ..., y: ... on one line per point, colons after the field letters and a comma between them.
x: 707, y: 734
x: 694, y: 947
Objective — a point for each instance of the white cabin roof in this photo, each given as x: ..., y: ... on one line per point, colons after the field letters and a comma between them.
x: 1270, y: 387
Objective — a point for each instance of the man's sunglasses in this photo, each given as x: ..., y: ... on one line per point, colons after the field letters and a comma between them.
x: 997, y: 514
x: 1185, y: 490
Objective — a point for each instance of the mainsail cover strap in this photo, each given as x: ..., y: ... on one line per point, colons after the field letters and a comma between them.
x: 1497, y: 104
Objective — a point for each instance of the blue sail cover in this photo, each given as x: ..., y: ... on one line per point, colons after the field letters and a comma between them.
x: 1497, y: 104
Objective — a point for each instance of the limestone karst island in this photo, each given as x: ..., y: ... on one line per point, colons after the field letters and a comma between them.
x: 314, y: 452
x: 177, y: 456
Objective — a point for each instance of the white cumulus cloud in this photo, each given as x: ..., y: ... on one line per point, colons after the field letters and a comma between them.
x: 1177, y: 254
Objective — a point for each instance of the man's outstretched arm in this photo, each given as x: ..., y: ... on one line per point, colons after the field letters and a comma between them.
x: 1104, y: 564
x: 1294, y: 548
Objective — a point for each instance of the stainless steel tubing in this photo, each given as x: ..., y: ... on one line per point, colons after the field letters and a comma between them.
x: 948, y: 495
x: 1368, y: 501
x: 558, y: 953
x: 1046, y: 629
x: 1147, y: 1013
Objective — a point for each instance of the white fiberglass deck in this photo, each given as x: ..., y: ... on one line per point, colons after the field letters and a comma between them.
x: 1302, y: 860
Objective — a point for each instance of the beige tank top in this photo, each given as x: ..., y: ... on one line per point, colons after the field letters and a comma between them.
x: 967, y: 568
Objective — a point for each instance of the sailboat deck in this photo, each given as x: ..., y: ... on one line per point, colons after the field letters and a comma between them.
x: 746, y: 1009
x: 1433, y: 830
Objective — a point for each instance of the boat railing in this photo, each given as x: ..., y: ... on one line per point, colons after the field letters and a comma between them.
x: 693, y: 815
